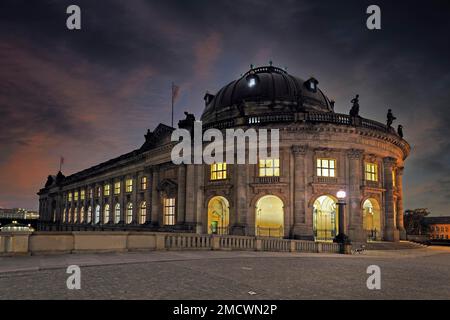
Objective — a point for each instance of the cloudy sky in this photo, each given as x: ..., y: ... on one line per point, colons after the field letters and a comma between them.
x: 90, y: 95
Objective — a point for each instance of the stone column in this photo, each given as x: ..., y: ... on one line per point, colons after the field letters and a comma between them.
x: 189, y: 194
x: 181, y: 196
x: 390, y: 231
x: 400, y: 212
x: 155, y: 197
x: 299, y: 174
x: 240, y: 173
x: 354, y: 215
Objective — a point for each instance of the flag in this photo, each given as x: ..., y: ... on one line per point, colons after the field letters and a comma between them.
x: 175, y: 91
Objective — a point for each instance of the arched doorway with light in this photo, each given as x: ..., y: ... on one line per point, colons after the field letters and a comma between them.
x: 218, y: 215
x: 372, y: 219
x: 270, y: 217
x: 325, y: 218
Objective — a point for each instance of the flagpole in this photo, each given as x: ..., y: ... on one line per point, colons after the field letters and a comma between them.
x: 172, y: 104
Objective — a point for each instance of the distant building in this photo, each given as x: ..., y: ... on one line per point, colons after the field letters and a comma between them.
x: 18, y: 213
x: 439, y: 227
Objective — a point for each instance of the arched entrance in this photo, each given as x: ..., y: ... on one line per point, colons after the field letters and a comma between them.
x: 218, y: 215
x: 372, y: 219
x: 325, y: 218
x: 270, y: 217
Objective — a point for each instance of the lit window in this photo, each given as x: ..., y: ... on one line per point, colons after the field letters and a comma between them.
x: 64, y: 215
x: 89, y: 215
x: 144, y: 183
x: 269, y: 167
x: 69, y: 197
x: 371, y: 172
x: 218, y: 171
x: 91, y: 193
x: 75, y: 196
x: 117, y: 213
x: 82, y: 194
x: 99, y: 192
x: 251, y: 82
x: 393, y: 177
x: 169, y: 211
x: 117, y: 187
x: 106, y: 214
x: 75, y: 215
x: 106, y: 189
x: 129, y: 213
x: 129, y: 185
x: 326, y: 168
x: 82, y: 215
x: 143, y: 212
x: 97, y: 214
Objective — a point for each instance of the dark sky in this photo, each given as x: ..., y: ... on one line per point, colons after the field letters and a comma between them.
x: 90, y: 95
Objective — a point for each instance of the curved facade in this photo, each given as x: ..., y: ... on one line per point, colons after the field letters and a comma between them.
x: 293, y: 196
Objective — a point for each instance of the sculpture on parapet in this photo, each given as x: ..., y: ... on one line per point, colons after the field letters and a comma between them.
x: 390, y: 118
x: 354, y: 111
x: 400, y: 130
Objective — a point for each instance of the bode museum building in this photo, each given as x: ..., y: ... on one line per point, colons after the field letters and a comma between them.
x: 292, y: 196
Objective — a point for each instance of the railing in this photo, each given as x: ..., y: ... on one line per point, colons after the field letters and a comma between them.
x: 267, y: 179
x: 237, y: 243
x: 271, y: 244
x: 187, y: 241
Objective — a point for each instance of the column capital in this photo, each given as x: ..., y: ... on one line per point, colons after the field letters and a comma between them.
x: 299, y: 149
x: 355, y: 153
x: 389, y: 161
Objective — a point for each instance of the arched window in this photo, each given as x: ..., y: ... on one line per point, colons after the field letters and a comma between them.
x: 143, y: 212
x: 75, y: 215
x: 106, y: 214
x: 129, y: 212
x: 82, y: 215
x: 97, y: 214
x: 89, y: 215
x: 117, y: 213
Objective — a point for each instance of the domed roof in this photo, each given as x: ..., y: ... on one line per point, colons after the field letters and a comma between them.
x: 264, y: 90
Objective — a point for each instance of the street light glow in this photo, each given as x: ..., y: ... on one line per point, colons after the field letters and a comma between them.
x: 341, y: 194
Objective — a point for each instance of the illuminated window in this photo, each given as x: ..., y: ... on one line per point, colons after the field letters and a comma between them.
x: 117, y: 187
x: 82, y: 215
x: 117, y: 213
x: 371, y: 172
x: 393, y: 177
x: 269, y: 167
x: 106, y: 189
x: 169, y: 211
x: 97, y: 214
x: 89, y: 215
x: 106, y: 214
x: 75, y: 196
x: 99, y: 192
x: 82, y: 194
x: 64, y: 215
x: 129, y: 185
x: 129, y: 213
x: 144, y: 183
x: 91, y: 193
x: 219, y: 171
x: 69, y: 197
x: 75, y: 215
x: 143, y: 212
x: 326, y: 167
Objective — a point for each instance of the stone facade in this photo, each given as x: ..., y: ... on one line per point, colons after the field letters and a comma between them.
x: 307, y: 134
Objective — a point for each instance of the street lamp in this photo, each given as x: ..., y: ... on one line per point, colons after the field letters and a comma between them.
x: 341, y: 237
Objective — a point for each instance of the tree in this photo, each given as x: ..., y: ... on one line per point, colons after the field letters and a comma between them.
x: 414, y: 221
